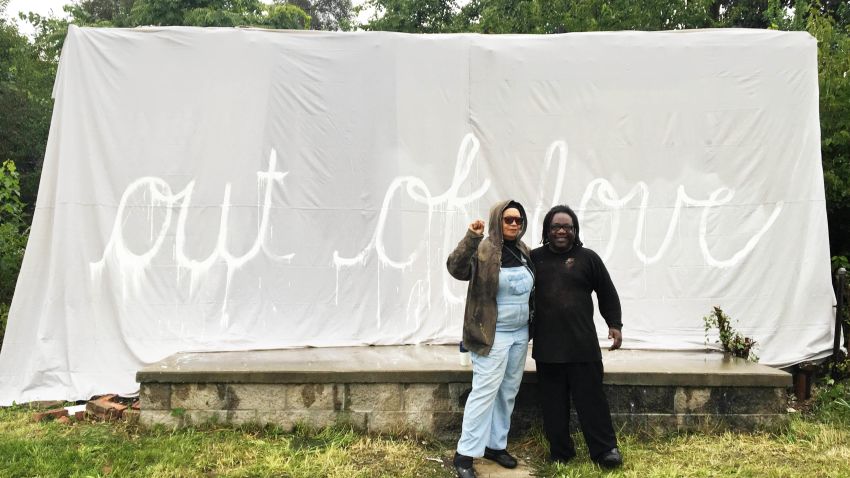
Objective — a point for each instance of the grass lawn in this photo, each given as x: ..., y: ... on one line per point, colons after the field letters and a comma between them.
x: 814, y: 444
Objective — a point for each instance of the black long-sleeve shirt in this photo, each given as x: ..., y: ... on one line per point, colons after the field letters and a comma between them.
x: 563, y: 314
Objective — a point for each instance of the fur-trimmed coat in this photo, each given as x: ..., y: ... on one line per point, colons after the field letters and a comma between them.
x: 478, y: 260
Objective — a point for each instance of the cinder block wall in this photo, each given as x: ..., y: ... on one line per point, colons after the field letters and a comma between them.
x: 437, y: 408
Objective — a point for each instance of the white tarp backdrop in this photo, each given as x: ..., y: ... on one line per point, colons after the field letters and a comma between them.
x: 224, y: 189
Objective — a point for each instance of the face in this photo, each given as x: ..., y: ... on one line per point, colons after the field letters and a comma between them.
x: 511, y: 223
x: 561, y: 233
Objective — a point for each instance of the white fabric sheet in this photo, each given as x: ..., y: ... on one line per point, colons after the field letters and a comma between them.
x: 224, y: 189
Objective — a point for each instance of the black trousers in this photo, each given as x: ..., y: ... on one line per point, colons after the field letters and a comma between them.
x: 581, y: 382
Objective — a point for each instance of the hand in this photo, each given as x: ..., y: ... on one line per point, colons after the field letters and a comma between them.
x: 617, y: 336
x: 477, y: 227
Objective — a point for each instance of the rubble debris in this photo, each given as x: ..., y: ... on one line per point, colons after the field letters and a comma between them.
x: 103, y: 407
x: 77, y: 412
x: 50, y: 415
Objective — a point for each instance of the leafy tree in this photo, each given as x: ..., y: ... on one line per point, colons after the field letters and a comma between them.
x: 15, y: 71
x: 102, y: 12
x: 26, y: 84
x: 164, y: 12
x: 834, y: 82
x: 25, y: 110
x: 286, y: 16
x: 522, y: 16
x: 743, y: 13
x: 224, y: 13
x: 51, y: 31
x: 11, y: 206
x: 418, y: 16
x: 327, y: 14
x: 540, y: 16
x: 13, y: 237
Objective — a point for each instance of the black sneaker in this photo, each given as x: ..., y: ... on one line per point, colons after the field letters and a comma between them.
x: 611, y: 459
x: 501, y: 457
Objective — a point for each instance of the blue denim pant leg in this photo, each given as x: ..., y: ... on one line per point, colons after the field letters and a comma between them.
x: 506, y: 397
x: 495, y: 382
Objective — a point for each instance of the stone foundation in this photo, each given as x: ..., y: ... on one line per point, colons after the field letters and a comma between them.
x: 419, y: 402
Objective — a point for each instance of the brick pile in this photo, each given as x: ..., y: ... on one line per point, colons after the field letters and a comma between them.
x: 102, y: 408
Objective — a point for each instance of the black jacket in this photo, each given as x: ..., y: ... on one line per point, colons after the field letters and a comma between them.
x: 564, y: 331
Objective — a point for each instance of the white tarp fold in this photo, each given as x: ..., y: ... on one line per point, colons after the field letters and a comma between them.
x: 224, y: 189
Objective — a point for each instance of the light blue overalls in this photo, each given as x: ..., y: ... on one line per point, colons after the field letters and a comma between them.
x: 496, y: 377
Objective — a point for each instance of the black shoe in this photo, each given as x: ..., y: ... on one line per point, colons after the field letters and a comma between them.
x: 611, y: 459
x: 463, y: 466
x: 501, y: 457
x: 465, y: 472
x: 561, y: 460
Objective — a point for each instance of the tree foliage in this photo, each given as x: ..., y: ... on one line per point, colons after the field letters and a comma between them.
x: 328, y: 14
x: 834, y: 81
x: 51, y: 31
x: 561, y: 16
x: 13, y: 237
x: 422, y: 16
x: 248, y: 13
x: 286, y: 16
x: 289, y: 14
x: 26, y: 84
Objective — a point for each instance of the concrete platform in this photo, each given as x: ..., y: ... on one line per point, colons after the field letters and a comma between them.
x: 395, y: 388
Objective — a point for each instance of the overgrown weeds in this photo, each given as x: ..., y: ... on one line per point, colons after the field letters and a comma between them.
x: 730, y: 339
x: 831, y: 402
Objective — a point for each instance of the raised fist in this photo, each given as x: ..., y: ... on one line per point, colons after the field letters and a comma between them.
x: 477, y: 226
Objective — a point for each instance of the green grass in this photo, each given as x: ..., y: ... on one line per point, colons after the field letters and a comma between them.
x: 86, y: 449
x: 814, y: 444
x: 804, y: 449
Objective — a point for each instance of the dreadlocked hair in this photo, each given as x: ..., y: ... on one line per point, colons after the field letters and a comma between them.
x: 547, y: 221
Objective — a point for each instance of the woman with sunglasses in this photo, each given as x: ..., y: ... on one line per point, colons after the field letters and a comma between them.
x: 495, y: 330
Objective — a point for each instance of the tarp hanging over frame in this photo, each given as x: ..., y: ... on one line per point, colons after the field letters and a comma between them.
x: 224, y: 189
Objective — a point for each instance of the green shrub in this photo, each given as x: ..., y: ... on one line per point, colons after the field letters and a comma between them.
x: 12, y: 244
x: 13, y: 238
x: 11, y: 206
x: 832, y: 402
x: 731, y: 340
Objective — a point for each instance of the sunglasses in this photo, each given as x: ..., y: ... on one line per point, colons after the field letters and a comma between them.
x: 511, y: 220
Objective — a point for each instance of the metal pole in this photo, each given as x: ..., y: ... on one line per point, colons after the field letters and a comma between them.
x: 839, y: 306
